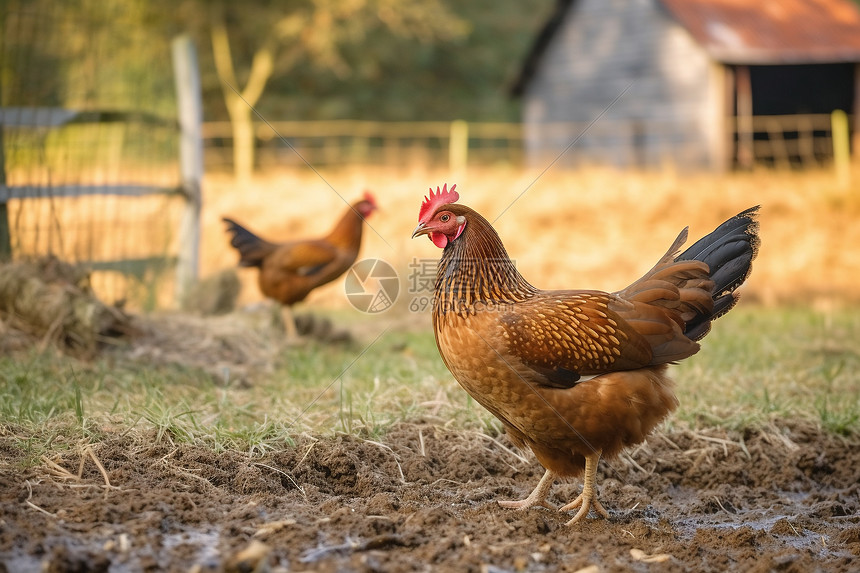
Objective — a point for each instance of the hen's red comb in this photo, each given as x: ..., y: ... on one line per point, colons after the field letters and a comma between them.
x: 432, y: 201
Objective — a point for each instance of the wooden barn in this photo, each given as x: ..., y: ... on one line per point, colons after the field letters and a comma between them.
x: 698, y: 83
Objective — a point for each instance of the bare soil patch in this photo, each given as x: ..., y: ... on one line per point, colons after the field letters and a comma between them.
x: 423, y: 497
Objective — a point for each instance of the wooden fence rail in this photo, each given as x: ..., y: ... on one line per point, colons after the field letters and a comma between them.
x: 373, y: 142
x: 782, y: 140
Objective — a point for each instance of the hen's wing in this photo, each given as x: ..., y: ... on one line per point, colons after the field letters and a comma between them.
x: 304, y: 257
x: 561, y: 337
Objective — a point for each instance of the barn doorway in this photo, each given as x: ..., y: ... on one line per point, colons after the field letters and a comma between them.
x: 783, y: 111
x: 818, y: 88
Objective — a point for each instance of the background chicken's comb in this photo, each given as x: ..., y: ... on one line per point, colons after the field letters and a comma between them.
x: 368, y: 196
x: 432, y: 201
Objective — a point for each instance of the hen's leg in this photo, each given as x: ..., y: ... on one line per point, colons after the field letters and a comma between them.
x: 588, y: 498
x: 289, y: 323
x: 537, y: 496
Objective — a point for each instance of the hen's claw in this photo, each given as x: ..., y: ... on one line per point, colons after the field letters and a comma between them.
x: 526, y: 503
x: 585, y: 505
x: 537, y: 497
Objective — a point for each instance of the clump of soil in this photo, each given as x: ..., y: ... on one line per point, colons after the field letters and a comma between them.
x: 423, y: 497
x: 245, y: 343
x: 214, y: 295
x: 46, y: 301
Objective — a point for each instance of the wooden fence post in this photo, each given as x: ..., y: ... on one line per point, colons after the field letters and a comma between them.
x: 458, y: 146
x: 190, y: 104
x: 856, y: 113
x: 841, y: 147
x: 5, y: 235
x: 744, y: 95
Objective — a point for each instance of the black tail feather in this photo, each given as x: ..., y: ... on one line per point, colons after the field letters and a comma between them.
x: 728, y: 251
x: 252, y: 249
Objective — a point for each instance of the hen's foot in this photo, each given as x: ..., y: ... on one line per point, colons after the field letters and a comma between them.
x: 588, y: 498
x: 584, y: 503
x: 537, y: 497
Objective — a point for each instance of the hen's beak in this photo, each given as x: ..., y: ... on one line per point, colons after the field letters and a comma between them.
x: 421, y: 229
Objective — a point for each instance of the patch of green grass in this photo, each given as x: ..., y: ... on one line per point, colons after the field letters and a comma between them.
x: 364, y: 388
x: 760, y: 364
x: 756, y: 366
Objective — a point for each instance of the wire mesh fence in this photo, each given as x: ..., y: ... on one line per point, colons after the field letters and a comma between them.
x: 86, y: 139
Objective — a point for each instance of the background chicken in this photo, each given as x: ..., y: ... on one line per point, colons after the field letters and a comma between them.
x: 291, y: 270
x: 574, y: 374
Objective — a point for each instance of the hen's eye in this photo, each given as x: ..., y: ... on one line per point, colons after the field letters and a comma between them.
x: 444, y: 218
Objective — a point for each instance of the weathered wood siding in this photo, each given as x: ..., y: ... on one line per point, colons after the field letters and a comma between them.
x: 672, y: 111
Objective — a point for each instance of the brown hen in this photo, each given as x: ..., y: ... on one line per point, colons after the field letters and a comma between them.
x: 289, y: 271
x: 574, y: 374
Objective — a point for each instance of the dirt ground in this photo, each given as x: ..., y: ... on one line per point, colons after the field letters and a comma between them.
x: 786, y: 498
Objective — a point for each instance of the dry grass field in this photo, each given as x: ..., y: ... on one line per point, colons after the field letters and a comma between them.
x: 589, y: 228
x: 593, y: 228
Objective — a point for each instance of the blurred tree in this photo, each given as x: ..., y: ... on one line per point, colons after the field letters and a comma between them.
x: 401, y: 60
x: 317, y: 32
x: 85, y: 54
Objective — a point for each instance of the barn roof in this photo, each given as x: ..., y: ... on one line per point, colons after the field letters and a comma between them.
x: 745, y: 32
x: 774, y: 32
